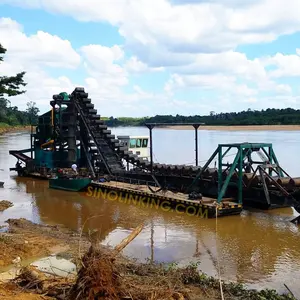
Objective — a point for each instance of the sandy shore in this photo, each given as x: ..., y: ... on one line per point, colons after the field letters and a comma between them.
x: 238, y: 128
x: 100, y: 270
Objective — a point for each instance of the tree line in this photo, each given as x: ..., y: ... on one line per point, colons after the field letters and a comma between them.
x: 12, y: 86
x: 270, y: 116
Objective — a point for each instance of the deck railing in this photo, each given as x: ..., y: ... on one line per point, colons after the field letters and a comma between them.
x: 134, y: 181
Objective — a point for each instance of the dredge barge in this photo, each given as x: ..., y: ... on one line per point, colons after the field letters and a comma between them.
x: 73, y: 133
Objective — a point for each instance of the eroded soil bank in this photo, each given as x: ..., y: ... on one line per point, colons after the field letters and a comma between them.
x: 4, y: 204
x: 102, y: 273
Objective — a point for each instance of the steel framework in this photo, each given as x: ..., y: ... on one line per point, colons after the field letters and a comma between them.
x: 242, y: 163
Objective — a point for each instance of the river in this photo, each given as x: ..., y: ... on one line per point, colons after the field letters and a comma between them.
x: 258, y: 248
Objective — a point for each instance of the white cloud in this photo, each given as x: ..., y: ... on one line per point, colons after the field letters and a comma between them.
x: 192, y: 26
x: 194, y: 40
x: 104, y: 76
x: 232, y: 71
x: 32, y: 53
x: 134, y: 65
x: 285, y: 65
x: 215, y: 82
x: 268, y: 16
x: 100, y: 63
x: 41, y: 48
x: 229, y: 3
x: 229, y: 62
x: 40, y: 89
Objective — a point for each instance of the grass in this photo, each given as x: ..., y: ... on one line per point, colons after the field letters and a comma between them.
x: 4, y: 125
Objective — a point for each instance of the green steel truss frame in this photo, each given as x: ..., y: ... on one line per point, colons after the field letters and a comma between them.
x: 242, y: 163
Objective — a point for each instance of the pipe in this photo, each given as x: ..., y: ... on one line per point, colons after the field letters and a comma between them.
x: 52, y: 116
x: 47, y: 144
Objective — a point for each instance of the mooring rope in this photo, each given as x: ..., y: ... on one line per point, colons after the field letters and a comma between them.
x: 218, y: 263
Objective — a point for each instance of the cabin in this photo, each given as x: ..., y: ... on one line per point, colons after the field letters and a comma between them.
x: 139, y: 145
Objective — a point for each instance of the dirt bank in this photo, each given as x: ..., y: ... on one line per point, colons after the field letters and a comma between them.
x: 4, y: 204
x: 24, y: 240
x: 103, y: 273
x: 240, y: 128
x: 13, y: 129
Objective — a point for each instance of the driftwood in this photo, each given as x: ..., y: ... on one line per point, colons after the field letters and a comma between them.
x: 130, y: 238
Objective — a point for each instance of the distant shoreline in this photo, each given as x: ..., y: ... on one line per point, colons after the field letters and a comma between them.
x: 8, y: 129
x: 236, y: 128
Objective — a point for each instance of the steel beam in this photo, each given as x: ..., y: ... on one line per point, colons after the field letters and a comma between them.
x: 196, y: 126
x: 202, y: 170
x: 150, y: 127
x: 225, y: 185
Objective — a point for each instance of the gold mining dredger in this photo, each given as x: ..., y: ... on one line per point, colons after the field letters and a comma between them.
x: 73, y: 133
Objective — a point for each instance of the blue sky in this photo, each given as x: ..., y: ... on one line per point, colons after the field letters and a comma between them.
x: 142, y: 58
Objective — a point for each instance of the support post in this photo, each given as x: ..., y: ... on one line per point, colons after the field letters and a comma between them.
x: 225, y: 184
x: 196, y: 126
x: 150, y: 127
x: 225, y: 153
x: 31, y: 143
x: 240, y: 170
x: 271, y: 160
x: 220, y: 179
x: 276, y: 162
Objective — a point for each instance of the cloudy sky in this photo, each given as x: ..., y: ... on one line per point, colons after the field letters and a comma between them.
x: 147, y: 57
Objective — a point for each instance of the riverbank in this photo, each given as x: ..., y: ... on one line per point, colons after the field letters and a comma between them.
x: 237, y: 128
x: 101, y: 271
x: 6, y: 128
x: 4, y: 204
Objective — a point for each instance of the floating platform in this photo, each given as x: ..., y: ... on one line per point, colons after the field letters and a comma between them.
x: 142, y: 196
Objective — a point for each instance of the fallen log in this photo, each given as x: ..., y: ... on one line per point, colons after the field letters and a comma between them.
x: 130, y: 238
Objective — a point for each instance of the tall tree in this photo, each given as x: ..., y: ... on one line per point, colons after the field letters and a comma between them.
x: 9, y: 86
x: 32, y: 111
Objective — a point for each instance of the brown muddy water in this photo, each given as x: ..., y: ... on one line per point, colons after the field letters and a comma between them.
x: 261, y: 249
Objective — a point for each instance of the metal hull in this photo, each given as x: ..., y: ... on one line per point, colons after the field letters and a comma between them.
x: 69, y: 184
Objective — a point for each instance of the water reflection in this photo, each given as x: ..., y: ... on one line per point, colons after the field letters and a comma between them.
x: 259, y: 248
x: 251, y: 247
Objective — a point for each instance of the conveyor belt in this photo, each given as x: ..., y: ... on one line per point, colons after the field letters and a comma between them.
x: 20, y: 156
x: 105, y: 147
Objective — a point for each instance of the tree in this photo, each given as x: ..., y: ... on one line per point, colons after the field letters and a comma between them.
x: 9, y: 86
x: 32, y: 112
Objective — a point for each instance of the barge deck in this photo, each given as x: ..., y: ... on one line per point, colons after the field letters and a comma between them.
x: 166, y: 200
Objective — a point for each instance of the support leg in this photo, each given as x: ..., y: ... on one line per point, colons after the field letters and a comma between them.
x: 196, y: 126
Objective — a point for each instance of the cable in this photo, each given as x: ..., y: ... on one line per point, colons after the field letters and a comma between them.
x: 218, y: 263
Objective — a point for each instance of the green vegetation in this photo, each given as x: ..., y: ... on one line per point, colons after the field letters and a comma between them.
x: 12, y: 86
x: 287, y: 116
x: 124, y: 121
